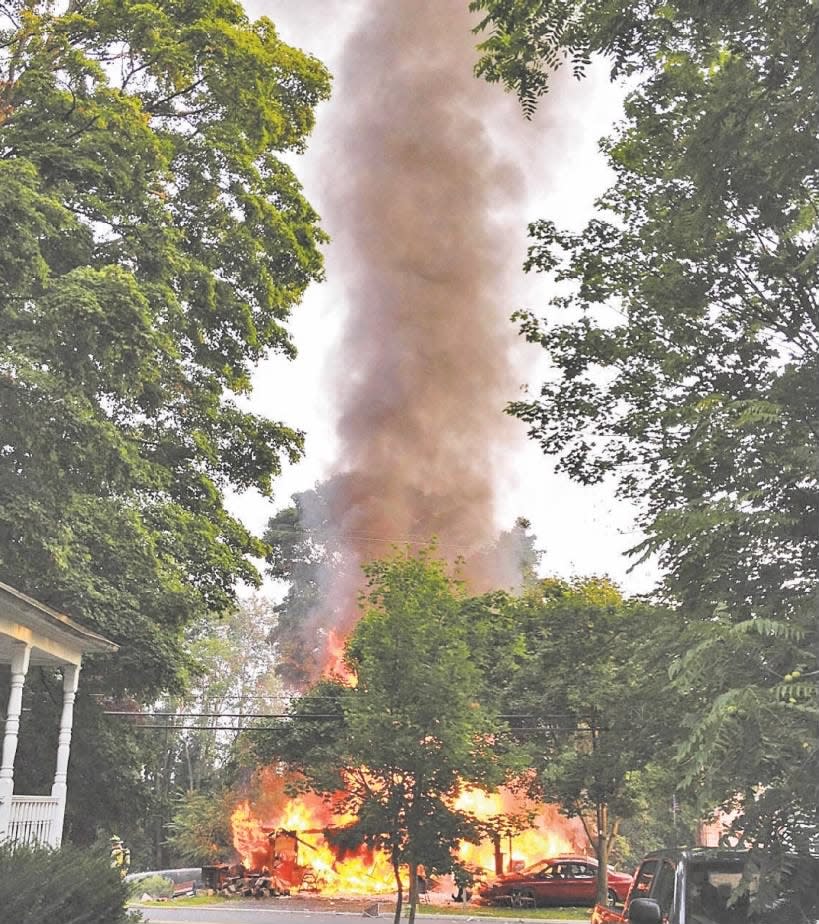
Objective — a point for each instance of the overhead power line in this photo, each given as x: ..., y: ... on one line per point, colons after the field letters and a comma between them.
x: 174, y: 721
x: 221, y: 715
x: 213, y: 728
x: 293, y: 715
x: 160, y: 726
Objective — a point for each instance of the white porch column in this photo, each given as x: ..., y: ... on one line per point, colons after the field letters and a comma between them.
x: 19, y: 669
x: 71, y: 676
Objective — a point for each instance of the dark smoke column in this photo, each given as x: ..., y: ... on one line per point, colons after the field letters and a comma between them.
x: 423, y: 372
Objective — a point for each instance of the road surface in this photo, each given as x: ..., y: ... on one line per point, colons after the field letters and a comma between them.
x: 244, y: 915
x: 236, y: 914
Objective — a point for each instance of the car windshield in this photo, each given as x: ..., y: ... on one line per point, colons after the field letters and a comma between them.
x: 538, y: 867
x: 550, y: 866
x: 711, y: 895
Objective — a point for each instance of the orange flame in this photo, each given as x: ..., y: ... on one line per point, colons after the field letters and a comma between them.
x: 335, y: 666
x: 316, y: 864
x: 249, y: 839
x: 309, y: 861
x: 550, y: 834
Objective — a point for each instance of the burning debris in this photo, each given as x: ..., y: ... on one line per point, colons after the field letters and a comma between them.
x: 226, y: 880
x: 294, y: 842
x: 287, y: 845
x: 280, y: 871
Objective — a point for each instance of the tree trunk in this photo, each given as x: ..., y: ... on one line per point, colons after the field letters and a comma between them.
x: 413, y: 891
x: 602, y: 851
x: 602, y: 841
x: 399, y: 889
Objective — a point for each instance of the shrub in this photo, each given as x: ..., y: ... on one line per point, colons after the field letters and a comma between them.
x: 65, y: 886
x: 200, y: 830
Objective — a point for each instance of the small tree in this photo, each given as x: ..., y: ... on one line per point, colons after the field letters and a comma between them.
x: 411, y: 732
x: 593, y: 670
x: 200, y: 830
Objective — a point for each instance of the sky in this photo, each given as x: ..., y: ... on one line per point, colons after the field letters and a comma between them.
x: 581, y: 530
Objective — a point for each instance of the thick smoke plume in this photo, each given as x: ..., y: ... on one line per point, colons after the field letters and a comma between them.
x: 423, y: 371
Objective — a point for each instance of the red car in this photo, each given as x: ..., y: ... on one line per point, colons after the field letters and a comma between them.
x: 559, y: 881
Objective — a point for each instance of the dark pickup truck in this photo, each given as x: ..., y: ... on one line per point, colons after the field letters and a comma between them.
x: 696, y: 886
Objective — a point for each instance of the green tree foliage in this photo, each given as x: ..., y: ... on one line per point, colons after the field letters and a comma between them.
x: 685, y: 334
x: 595, y: 677
x: 660, y: 814
x: 188, y: 764
x: 200, y: 830
x: 411, y: 732
x: 235, y: 681
x: 154, y: 243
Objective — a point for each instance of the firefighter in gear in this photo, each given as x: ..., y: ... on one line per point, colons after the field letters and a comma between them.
x: 120, y: 856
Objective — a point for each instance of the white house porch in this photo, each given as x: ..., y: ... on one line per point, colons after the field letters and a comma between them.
x: 32, y: 634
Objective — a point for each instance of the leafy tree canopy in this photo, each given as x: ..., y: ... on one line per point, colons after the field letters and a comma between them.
x: 684, y: 332
x: 200, y: 831
x: 528, y: 40
x: 154, y: 244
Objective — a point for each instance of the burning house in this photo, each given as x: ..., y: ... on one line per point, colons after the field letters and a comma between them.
x: 290, y: 840
x: 420, y: 376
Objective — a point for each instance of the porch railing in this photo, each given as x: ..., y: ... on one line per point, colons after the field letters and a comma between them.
x: 33, y: 820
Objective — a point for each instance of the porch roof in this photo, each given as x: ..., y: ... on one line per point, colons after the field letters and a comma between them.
x: 54, y: 637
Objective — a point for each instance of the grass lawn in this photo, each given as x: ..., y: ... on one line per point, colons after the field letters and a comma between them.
x: 517, y: 914
x: 470, y: 911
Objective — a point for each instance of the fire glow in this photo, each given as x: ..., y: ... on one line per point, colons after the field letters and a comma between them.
x: 287, y: 835
x: 335, y: 666
x: 550, y: 834
x: 291, y: 842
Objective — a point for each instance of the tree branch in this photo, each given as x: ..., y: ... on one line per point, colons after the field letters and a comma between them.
x: 153, y: 107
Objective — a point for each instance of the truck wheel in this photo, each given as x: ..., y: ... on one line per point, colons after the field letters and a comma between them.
x: 612, y: 897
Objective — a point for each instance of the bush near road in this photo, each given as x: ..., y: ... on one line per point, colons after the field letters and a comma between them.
x: 65, y: 886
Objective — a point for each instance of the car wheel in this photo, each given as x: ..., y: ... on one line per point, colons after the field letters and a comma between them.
x: 523, y: 898
x: 613, y: 900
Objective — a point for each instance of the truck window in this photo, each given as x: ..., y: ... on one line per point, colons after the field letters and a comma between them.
x: 645, y: 877
x: 663, y: 892
x: 710, y: 889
